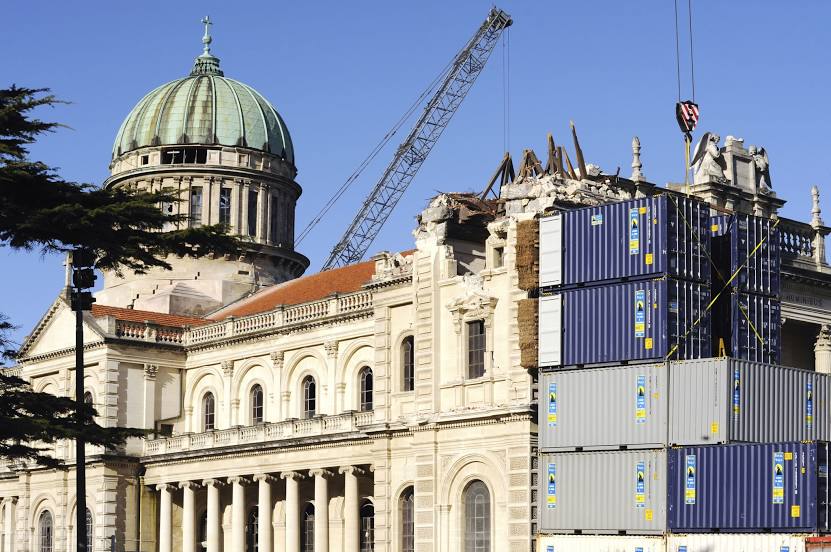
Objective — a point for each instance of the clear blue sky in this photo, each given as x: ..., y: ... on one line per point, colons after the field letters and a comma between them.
x: 341, y: 73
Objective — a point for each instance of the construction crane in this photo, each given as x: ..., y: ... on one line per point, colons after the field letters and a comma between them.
x: 412, y: 153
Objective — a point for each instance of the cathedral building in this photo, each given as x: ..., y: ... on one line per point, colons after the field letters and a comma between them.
x: 386, y: 406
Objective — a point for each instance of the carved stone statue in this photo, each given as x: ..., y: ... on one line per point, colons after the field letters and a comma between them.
x: 760, y: 158
x: 707, y: 157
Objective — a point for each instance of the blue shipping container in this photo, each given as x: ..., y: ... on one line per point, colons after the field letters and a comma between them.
x: 632, y: 321
x: 748, y: 326
x: 644, y: 238
x: 750, y: 246
x: 780, y: 487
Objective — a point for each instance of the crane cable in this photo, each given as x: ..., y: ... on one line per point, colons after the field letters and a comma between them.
x: 506, y: 90
x: 688, y: 131
x: 372, y: 155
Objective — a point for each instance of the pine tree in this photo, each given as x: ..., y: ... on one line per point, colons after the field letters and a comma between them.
x: 126, y: 229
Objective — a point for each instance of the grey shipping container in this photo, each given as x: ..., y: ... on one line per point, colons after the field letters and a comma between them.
x: 630, y: 321
x: 706, y: 401
x: 747, y: 246
x: 603, y: 408
x: 603, y: 492
x: 777, y: 487
x: 643, y: 238
x: 748, y: 326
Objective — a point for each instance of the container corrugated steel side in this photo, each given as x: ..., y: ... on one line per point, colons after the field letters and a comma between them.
x: 747, y: 542
x: 749, y: 326
x: 748, y: 245
x: 729, y: 400
x: 631, y: 321
x: 603, y: 492
x: 600, y: 543
x: 603, y: 408
x: 637, y: 239
x: 777, y: 487
x: 694, y: 402
x: 818, y: 544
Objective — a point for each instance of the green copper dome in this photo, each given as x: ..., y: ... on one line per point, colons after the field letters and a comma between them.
x: 205, y: 108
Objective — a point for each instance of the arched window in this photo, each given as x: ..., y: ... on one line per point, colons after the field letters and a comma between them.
x: 90, y: 530
x: 309, y: 397
x: 45, y: 532
x: 257, y: 404
x: 365, y: 377
x: 406, y: 506
x: 208, y: 412
x: 367, y: 538
x: 309, y: 528
x: 251, y: 530
x: 407, y: 364
x: 88, y: 398
x: 476, y: 502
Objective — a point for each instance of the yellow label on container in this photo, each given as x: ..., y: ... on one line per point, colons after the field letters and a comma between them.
x: 714, y: 228
x: 714, y: 428
x: 648, y: 258
x: 788, y: 456
x: 647, y: 343
x: 778, y: 492
x: 642, y: 210
x: 647, y: 514
x: 795, y: 510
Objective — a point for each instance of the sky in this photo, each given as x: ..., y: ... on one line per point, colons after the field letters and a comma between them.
x: 341, y: 73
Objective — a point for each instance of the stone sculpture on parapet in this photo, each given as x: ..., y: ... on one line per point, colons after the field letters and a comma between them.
x: 707, y: 160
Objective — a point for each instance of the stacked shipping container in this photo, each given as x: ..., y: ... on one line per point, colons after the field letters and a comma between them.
x: 626, y: 373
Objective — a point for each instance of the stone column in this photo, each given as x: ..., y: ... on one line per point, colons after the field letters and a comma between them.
x: 188, y: 516
x: 264, y: 528
x: 150, y: 372
x: 244, y: 188
x: 321, y: 509
x: 351, y: 509
x: 8, y: 524
x: 165, y: 517
x: 227, y: 384
x: 292, y: 510
x: 822, y: 350
x: 238, y: 513
x: 261, y: 213
x: 213, y: 514
x: 269, y: 214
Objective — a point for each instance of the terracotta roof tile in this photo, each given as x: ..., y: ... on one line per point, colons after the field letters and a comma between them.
x: 302, y: 290
x: 132, y: 315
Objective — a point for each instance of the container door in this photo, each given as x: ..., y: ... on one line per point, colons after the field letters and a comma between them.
x: 823, y: 521
x: 551, y: 251
x: 551, y: 331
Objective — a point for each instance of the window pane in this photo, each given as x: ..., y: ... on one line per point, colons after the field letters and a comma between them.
x: 252, y: 530
x: 476, y: 503
x: 225, y: 206
x: 309, y: 397
x: 407, y: 521
x: 367, y: 537
x: 475, y: 349
x: 45, y: 531
x: 257, y: 404
x: 208, y: 412
x: 252, y: 212
x: 408, y: 364
x: 366, y: 389
x: 196, y: 206
x: 90, y: 530
x: 309, y: 529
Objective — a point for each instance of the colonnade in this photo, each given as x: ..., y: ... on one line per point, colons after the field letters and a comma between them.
x: 265, y: 504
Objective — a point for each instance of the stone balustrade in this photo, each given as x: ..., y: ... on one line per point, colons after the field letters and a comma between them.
x: 261, y: 433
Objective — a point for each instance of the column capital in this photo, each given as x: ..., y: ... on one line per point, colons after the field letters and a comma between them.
x: 238, y: 480
x: 277, y: 359
x: 228, y: 368
x: 170, y: 487
x: 351, y: 470
x: 268, y: 478
x: 321, y: 472
x: 212, y: 483
x: 189, y: 485
x: 9, y: 500
x: 297, y: 476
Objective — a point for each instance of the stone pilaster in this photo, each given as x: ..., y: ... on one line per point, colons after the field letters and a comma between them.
x: 822, y: 350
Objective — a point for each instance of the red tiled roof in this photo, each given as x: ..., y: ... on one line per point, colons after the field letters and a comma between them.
x: 132, y: 315
x: 302, y: 290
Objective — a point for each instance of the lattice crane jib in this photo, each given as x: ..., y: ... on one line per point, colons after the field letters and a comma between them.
x: 412, y: 153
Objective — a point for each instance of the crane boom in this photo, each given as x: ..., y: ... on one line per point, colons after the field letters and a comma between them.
x: 412, y: 153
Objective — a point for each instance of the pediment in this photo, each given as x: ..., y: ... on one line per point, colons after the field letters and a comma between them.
x: 56, y: 331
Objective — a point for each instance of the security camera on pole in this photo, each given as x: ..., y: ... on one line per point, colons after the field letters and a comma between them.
x: 83, y: 278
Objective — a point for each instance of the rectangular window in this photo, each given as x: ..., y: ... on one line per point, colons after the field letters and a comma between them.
x: 475, y: 349
x: 498, y: 254
x: 275, y: 219
x: 252, y: 212
x: 145, y: 159
x: 196, y: 206
x: 408, y: 364
x: 225, y: 206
